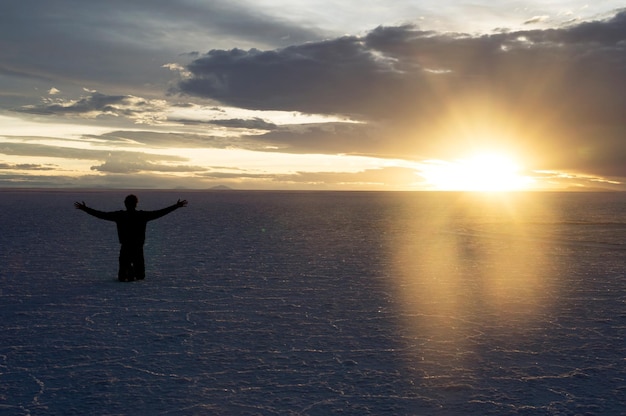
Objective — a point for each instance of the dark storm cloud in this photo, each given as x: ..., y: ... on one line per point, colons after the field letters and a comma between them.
x: 566, y: 86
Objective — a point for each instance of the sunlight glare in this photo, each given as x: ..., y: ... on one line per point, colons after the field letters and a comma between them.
x: 482, y: 172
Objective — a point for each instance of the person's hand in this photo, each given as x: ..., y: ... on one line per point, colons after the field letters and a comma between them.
x: 181, y: 204
x: 80, y: 205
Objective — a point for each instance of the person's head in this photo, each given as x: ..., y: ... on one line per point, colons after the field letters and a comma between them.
x: 131, y: 202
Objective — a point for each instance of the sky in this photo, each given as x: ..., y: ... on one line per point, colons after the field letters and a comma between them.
x: 313, y: 95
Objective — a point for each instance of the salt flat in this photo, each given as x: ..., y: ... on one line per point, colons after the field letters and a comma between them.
x: 315, y: 304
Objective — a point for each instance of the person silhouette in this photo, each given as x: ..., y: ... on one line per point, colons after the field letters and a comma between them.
x: 131, y: 232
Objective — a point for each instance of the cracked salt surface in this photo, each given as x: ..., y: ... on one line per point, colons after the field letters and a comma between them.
x: 265, y: 303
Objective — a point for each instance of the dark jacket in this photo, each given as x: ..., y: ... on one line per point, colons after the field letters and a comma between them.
x: 131, y: 224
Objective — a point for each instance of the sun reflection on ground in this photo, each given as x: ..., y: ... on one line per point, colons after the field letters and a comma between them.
x: 472, y: 259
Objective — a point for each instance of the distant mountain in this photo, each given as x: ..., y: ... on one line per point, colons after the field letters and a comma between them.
x: 221, y: 188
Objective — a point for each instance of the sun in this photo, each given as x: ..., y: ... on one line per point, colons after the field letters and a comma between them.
x: 480, y: 172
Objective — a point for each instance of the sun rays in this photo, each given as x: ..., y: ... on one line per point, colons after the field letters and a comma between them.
x: 483, y: 172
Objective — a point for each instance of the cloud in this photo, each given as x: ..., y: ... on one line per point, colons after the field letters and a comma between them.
x: 536, y: 19
x: 557, y: 91
x: 239, y: 176
x: 557, y: 94
x: 387, y: 178
x: 383, y: 178
x: 125, y: 163
x: 255, y: 123
x: 143, y: 111
x: 129, y: 181
x: 97, y: 105
x: 133, y: 139
x: 26, y: 166
x: 42, y: 150
x: 390, y: 66
x: 124, y: 44
x: 326, y: 77
x: 328, y: 138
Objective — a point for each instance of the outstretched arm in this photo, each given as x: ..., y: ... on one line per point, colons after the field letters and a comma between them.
x: 153, y: 215
x: 98, y: 214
